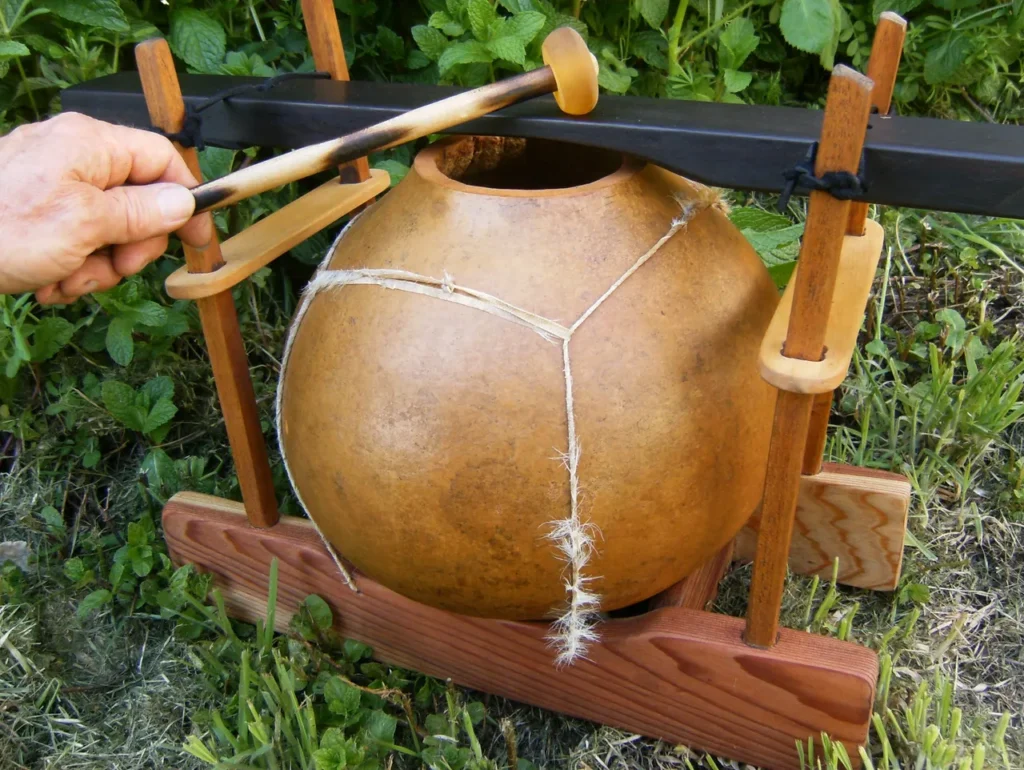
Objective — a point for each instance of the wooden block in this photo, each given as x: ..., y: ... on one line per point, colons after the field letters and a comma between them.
x: 678, y: 674
x: 260, y: 244
x: 697, y: 590
x: 858, y: 262
x: 857, y: 514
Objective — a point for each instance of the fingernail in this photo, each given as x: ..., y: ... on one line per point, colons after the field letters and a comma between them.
x: 176, y: 204
x: 91, y: 285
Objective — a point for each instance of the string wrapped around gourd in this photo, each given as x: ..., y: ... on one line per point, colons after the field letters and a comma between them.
x: 524, y: 384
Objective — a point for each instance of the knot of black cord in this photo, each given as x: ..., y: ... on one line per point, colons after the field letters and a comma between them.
x: 191, y: 133
x: 839, y: 184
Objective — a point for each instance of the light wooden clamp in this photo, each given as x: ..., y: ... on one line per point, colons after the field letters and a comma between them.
x: 260, y: 244
x: 858, y: 261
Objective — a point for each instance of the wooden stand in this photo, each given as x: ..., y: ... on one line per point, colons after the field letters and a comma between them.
x: 745, y: 690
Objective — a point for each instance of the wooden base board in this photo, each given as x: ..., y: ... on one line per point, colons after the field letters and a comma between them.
x: 678, y: 674
x: 856, y: 514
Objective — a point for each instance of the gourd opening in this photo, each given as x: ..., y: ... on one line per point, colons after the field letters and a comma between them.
x: 513, y: 163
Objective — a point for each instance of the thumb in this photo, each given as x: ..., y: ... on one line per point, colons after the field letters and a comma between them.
x: 135, y: 213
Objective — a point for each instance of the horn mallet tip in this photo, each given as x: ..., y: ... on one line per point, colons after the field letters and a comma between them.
x: 574, y: 69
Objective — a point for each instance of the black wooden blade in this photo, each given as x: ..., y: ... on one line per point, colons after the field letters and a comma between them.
x: 917, y: 162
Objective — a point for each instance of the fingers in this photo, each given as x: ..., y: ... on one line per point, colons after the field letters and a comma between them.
x: 198, y: 231
x: 52, y: 295
x: 128, y: 214
x: 103, y: 270
x: 97, y: 273
x: 130, y: 258
x: 106, y: 155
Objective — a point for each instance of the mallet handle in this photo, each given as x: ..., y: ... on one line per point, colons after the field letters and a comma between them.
x: 429, y: 119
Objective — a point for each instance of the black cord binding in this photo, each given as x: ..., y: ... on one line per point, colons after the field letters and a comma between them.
x: 839, y: 184
x: 191, y: 133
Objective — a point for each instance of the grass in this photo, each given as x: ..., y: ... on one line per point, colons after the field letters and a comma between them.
x: 934, y: 393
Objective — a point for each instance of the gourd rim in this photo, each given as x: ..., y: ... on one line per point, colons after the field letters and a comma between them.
x: 427, y: 167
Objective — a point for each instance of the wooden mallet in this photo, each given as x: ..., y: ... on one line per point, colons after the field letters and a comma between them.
x: 570, y: 73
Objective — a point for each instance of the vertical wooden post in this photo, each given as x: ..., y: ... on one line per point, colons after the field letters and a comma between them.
x: 217, y: 313
x: 329, y: 56
x: 839, y: 149
x: 882, y: 68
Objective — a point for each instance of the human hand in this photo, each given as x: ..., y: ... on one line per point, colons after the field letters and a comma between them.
x: 84, y: 203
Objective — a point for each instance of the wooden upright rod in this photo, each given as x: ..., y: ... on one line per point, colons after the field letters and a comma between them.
x: 329, y: 56
x: 839, y: 149
x: 882, y: 68
x: 217, y: 313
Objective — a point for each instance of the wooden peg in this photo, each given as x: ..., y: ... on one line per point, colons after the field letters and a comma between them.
x: 570, y: 73
x: 842, y: 139
x: 329, y: 56
x: 883, y: 66
x: 217, y: 313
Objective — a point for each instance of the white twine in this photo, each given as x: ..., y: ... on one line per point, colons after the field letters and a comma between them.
x: 576, y: 626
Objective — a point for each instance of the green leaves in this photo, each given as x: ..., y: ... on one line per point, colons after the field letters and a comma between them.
x: 463, y: 53
x: 52, y: 334
x: 104, y: 14
x: 480, y: 35
x: 654, y: 11
x: 198, y: 38
x: 943, y: 62
x: 130, y: 313
x: 812, y: 26
x: 442, y: 21
x: 147, y: 410
x: 430, y: 41
x: 508, y: 48
x: 902, y: 7
x: 774, y: 237
x: 481, y: 16
x: 120, y: 344
x: 736, y: 81
x: 524, y: 26
x: 736, y: 43
x: 12, y: 49
x: 93, y: 602
x: 806, y: 24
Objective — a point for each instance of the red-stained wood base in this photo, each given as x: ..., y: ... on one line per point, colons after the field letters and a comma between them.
x: 674, y: 673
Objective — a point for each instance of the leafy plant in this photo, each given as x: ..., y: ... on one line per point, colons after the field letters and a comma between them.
x: 147, y: 410
x: 469, y: 39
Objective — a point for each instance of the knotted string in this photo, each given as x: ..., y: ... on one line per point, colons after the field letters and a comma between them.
x: 191, y: 133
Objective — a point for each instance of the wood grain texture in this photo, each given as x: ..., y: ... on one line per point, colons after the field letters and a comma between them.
x: 674, y: 673
x: 263, y: 242
x: 857, y: 515
x: 817, y: 434
x: 217, y: 313
x: 883, y: 66
x: 842, y: 138
x: 329, y: 56
x: 882, y: 69
x: 856, y: 265
x: 697, y: 591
